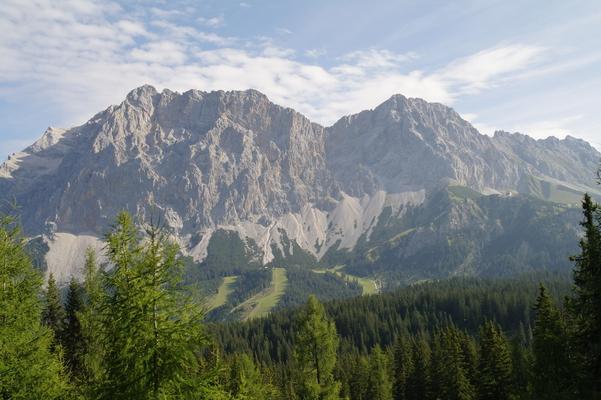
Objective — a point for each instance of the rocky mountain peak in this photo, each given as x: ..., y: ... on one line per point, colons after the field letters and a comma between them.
x: 235, y: 160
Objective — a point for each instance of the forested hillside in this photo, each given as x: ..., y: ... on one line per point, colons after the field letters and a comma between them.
x: 138, y: 331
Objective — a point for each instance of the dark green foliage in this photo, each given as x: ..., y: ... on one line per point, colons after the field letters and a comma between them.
x: 228, y: 254
x: 585, y: 305
x: 457, y: 230
x: 53, y: 315
x: 495, y: 367
x: 419, y: 381
x: 28, y: 369
x: 72, y: 336
x: 403, y: 367
x: 37, y: 248
x: 450, y: 376
x: 291, y: 254
x: 379, y: 386
x: 551, y: 368
x: 363, y: 322
x: 327, y: 286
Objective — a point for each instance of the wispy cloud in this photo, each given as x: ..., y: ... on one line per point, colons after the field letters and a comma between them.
x: 484, y: 69
x: 213, y: 22
x: 85, y: 56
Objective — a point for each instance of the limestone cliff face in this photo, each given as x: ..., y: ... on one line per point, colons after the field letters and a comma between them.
x: 203, y: 161
x: 199, y: 159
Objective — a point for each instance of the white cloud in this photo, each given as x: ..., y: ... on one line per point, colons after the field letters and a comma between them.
x: 213, y: 22
x: 315, y: 53
x: 483, y: 69
x: 244, y: 4
x: 83, y: 56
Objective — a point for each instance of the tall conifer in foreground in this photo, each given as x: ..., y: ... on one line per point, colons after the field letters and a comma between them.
x: 315, y: 353
x: 152, y: 330
x: 28, y: 369
x: 550, y: 371
x: 585, y: 304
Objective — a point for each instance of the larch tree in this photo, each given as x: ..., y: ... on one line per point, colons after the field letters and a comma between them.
x: 151, y: 328
x: 315, y: 349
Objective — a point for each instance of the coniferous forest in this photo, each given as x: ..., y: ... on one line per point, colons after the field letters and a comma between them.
x: 137, y: 331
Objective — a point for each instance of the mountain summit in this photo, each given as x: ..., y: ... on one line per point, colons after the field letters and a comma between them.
x: 210, y: 161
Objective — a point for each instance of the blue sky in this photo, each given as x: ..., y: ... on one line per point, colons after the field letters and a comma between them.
x: 532, y: 67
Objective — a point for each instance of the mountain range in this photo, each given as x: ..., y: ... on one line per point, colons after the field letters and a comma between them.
x: 404, y: 192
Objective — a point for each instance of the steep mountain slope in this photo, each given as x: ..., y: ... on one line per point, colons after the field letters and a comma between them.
x: 291, y: 191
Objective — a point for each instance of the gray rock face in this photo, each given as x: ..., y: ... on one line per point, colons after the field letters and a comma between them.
x: 199, y: 159
x: 205, y: 160
x: 408, y: 143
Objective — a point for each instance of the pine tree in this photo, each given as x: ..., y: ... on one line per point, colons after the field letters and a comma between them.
x: 403, y: 367
x: 28, y: 368
x: 151, y: 329
x: 495, y: 364
x: 379, y: 386
x: 315, y: 353
x: 73, y: 340
x: 53, y: 315
x: 585, y: 305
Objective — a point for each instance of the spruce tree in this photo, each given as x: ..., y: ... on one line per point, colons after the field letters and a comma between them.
x: 403, y: 367
x: 151, y: 329
x: 418, y: 382
x: 28, y: 368
x: 90, y: 319
x: 495, y: 364
x: 53, y: 315
x: 73, y: 340
x: 359, y: 379
x: 551, y: 373
x: 585, y: 304
x: 315, y: 353
x: 449, y: 375
x: 379, y: 386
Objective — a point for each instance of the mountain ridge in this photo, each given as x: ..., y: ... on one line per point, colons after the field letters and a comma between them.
x: 234, y: 160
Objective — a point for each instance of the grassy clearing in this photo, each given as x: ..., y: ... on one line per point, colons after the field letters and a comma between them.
x: 262, y: 303
x: 369, y: 285
x: 226, y: 287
